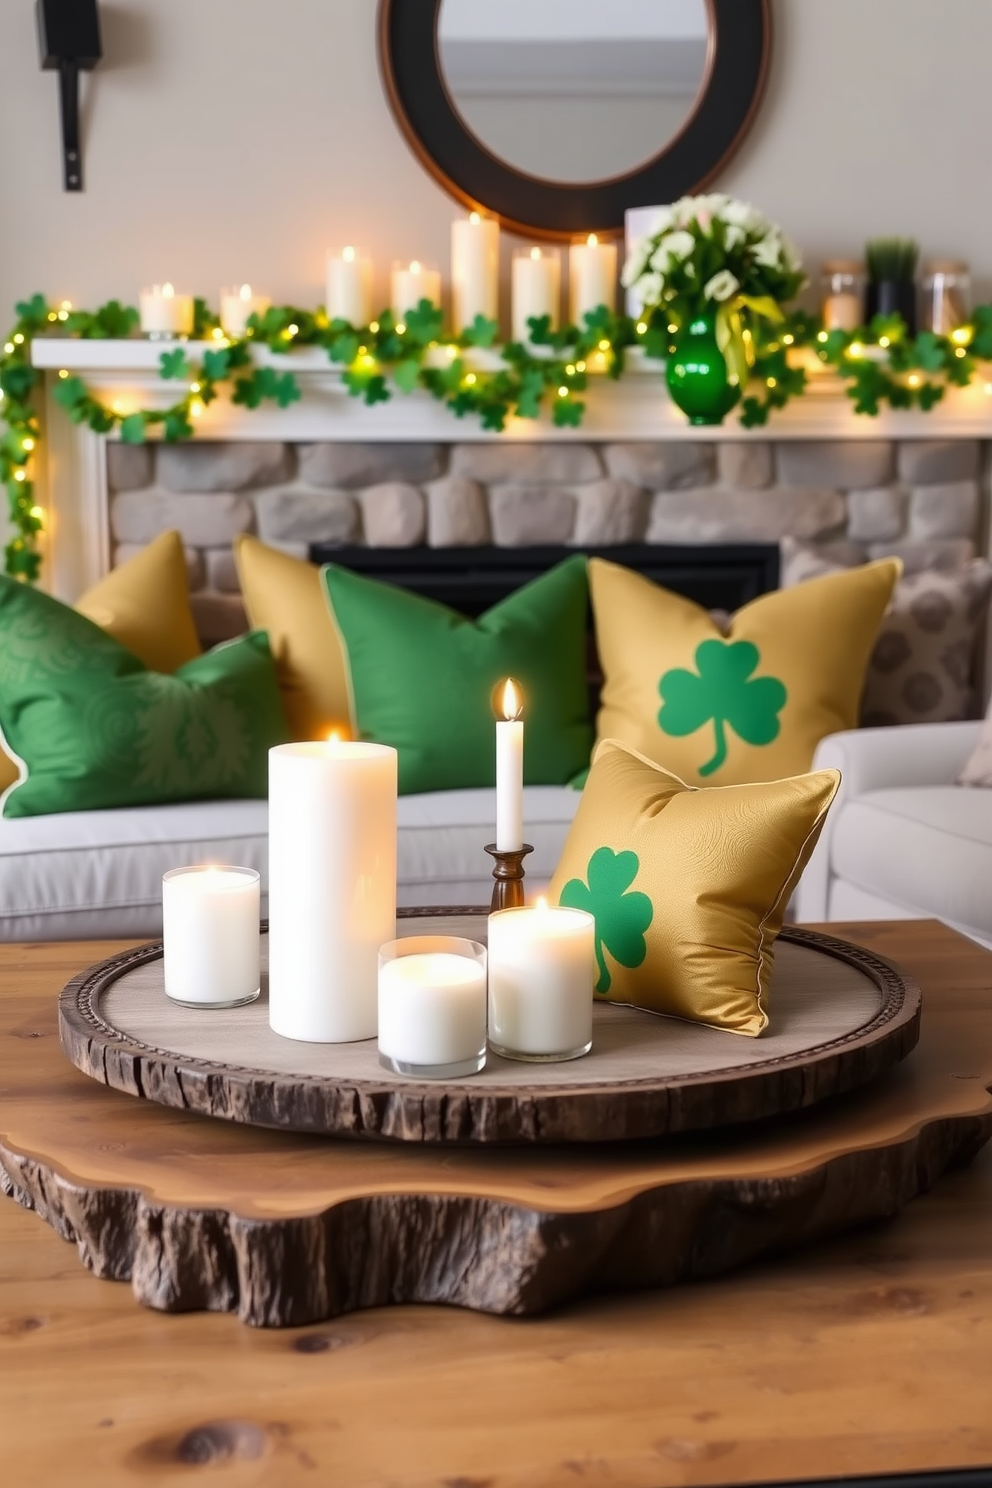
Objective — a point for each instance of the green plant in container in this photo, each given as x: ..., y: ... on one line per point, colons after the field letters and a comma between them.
x: 891, y: 287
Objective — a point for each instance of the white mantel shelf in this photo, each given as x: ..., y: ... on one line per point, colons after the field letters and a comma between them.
x: 636, y: 407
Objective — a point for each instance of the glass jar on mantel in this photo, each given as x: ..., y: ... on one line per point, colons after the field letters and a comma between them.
x: 843, y: 294
x: 946, y: 295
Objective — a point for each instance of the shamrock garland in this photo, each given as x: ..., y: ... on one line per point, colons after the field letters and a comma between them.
x: 881, y: 363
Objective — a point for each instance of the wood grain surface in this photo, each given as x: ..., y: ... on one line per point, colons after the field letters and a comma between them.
x: 840, y: 1017
x: 287, y: 1230
x: 868, y: 1354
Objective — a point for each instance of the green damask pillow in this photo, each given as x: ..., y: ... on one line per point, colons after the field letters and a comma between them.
x: 92, y: 727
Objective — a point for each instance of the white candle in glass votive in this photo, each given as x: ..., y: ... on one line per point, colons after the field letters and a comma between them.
x: 349, y: 287
x: 412, y: 283
x: 332, y: 886
x: 592, y: 278
x: 210, y: 929
x: 510, y: 768
x: 432, y: 1006
x: 165, y: 314
x: 236, y: 305
x: 541, y: 971
x: 535, y: 284
x: 474, y: 270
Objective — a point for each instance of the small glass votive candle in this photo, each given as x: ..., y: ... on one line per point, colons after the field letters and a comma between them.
x: 843, y: 306
x: 165, y: 315
x: 432, y: 1006
x: 210, y: 933
x: 541, y: 973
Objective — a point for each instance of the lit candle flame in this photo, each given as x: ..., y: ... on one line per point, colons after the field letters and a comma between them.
x: 541, y: 904
x: 535, y: 253
x: 511, y: 700
x: 168, y: 292
x: 334, y: 736
x: 348, y: 254
x: 245, y: 292
x: 592, y: 240
x: 414, y: 266
x: 474, y: 218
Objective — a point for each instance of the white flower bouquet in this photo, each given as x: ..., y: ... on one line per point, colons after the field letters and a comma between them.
x: 714, y: 255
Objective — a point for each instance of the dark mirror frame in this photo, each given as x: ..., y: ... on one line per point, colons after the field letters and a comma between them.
x: 737, y: 66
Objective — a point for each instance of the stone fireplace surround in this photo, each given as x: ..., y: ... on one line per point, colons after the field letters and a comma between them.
x: 407, y: 473
x: 922, y: 499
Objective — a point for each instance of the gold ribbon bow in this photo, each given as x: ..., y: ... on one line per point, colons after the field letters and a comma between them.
x: 737, y: 348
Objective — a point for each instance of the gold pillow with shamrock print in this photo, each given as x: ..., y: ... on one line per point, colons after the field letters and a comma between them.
x: 751, y: 703
x: 688, y: 886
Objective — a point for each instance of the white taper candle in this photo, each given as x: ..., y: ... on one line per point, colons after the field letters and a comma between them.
x: 510, y: 770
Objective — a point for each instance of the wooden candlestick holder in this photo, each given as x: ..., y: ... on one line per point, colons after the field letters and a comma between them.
x: 508, y: 890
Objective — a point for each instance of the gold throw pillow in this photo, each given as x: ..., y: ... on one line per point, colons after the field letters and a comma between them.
x: 285, y: 597
x: 688, y: 886
x: 748, y: 704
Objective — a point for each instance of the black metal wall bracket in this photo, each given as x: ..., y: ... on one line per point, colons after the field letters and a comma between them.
x: 69, y: 43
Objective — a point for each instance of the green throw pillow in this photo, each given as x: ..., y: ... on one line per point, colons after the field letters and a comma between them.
x: 422, y: 676
x: 94, y: 727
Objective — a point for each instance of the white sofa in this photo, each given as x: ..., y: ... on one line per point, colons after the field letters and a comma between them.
x: 88, y: 874
x: 902, y: 840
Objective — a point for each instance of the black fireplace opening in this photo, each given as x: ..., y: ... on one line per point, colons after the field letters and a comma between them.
x: 718, y: 576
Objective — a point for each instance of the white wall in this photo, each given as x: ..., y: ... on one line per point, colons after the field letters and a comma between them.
x: 235, y: 139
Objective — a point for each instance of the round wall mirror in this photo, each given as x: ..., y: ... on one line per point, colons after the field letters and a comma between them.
x: 558, y: 115
x: 574, y: 90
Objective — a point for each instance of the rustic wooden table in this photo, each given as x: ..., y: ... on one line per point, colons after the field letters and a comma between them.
x: 869, y: 1354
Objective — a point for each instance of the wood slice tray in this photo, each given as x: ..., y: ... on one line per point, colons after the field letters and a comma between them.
x: 841, y: 1016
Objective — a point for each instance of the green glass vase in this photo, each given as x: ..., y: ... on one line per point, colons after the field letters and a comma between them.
x: 697, y: 375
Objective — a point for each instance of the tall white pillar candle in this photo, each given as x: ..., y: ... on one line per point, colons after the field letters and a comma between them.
x: 474, y: 270
x: 210, y: 929
x: 592, y: 278
x: 332, y: 886
x: 163, y: 313
x: 432, y: 1006
x: 535, y: 286
x: 541, y: 971
x: 349, y: 287
x: 236, y: 305
x: 510, y: 769
x: 411, y: 284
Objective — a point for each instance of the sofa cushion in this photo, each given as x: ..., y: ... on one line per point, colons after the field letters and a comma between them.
x: 144, y: 604
x: 99, y: 873
x: 928, y: 848
x: 745, y: 704
x: 96, y: 729
x: 284, y: 597
x: 423, y: 676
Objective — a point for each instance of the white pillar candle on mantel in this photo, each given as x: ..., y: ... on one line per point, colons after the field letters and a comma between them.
x: 541, y: 972
x: 592, y: 278
x: 236, y: 305
x: 332, y: 886
x: 510, y: 769
x: 349, y: 287
x: 474, y: 270
x: 164, y: 314
x: 432, y: 1006
x: 535, y: 285
x: 210, y: 930
x: 412, y: 283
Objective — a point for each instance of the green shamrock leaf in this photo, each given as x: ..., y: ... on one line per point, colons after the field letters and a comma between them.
x: 621, y: 917
x: 725, y: 693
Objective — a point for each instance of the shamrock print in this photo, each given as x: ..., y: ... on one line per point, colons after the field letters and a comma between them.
x: 725, y: 693
x: 621, y: 917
